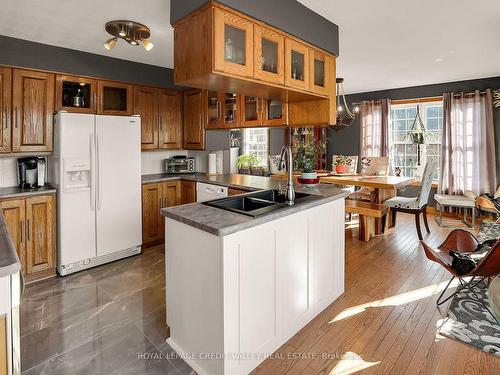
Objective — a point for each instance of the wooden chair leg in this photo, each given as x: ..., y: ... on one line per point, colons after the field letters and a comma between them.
x: 424, y: 211
x: 417, y: 223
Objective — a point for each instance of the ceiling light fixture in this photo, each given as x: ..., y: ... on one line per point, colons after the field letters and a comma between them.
x: 345, y: 117
x: 132, y: 32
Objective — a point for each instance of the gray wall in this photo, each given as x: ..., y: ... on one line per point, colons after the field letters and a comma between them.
x: 287, y: 15
x: 27, y: 54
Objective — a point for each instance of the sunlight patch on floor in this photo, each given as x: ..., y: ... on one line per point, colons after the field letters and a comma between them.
x: 396, y: 300
x: 350, y: 364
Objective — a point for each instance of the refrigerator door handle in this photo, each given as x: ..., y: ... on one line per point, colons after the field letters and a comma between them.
x: 92, y: 173
x: 98, y: 173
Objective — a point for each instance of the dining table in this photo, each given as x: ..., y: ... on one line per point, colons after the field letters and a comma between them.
x: 385, y: 187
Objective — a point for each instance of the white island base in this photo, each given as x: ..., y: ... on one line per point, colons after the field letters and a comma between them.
x: 233, y: 300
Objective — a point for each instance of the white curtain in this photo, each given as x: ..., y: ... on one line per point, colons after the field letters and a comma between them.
x: 468, y: 159
x: 375, y: 128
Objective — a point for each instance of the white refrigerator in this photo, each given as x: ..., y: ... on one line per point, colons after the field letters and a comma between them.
x: 97, y: 171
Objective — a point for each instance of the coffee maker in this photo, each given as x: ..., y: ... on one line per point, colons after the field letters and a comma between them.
x: 31, y: 172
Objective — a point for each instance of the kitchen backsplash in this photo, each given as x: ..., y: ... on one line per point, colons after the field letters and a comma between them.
x: 8, y: 172
x: 152, y: 162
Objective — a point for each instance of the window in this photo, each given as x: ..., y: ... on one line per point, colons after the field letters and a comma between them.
x: 256, y: 141
x: 403, y: 152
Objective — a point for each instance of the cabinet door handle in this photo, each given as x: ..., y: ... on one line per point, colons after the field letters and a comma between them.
x: 29, y: 230
x: 22, y: 231
x: 15, y: 117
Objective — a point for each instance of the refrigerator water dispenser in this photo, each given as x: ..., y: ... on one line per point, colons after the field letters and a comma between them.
x: 76, y: 174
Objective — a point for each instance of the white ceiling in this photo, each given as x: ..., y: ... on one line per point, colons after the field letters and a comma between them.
x: 79, y: 24
x: 383, y: 44
x: 400, y: 43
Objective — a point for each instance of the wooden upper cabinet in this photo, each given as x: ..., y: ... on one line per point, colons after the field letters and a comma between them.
x: 114, y: 98
x: 269, y: 55
x: 320, y: 68
x: 40, y: 234
x: 146, y: 106
x: 296, y: 64
x: 33, y: 106
x: 274, y: 112
x: 14, y: 214
x: 5, y: 109
x: 194, y: 119
x: 251, y: 111
x: 233, y: 44
x: 76, y: 94
x: 214, y: 110
x: 170, y: 119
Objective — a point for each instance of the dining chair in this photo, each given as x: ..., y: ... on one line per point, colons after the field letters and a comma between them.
x: 371, y: 166
x: 462, y: 241
x: 415, y: 205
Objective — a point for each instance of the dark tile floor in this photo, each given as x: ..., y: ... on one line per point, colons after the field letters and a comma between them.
x: 107, y: 320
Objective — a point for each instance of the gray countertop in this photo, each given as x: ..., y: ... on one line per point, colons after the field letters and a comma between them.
x: 237, y: 181
x: 16, y: 191
x: 221, y: 222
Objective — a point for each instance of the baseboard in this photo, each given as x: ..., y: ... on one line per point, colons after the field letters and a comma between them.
x: 184, y: 355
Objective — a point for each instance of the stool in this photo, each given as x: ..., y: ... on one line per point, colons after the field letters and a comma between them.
x: 458, y: 201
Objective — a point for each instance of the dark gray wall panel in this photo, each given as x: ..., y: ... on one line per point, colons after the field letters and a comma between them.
x: 287, y: 15
x: 23, y: 53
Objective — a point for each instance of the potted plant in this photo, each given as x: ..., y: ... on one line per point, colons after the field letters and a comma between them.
x: 306, y: 156
x: 246, y: 162
x: 341, y: 163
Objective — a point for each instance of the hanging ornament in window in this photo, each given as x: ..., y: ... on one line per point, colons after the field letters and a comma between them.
x: 418, y: 133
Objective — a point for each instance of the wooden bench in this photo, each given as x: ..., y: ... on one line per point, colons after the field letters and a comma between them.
x: 371, y: 217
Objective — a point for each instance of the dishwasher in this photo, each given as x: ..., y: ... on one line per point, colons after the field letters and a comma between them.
x: 207, y: 192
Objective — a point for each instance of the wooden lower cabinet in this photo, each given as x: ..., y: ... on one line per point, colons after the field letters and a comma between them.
x: 233, y: 191
x: 4, y: 339
x: 188, y: 192
x: 31, y: 223
x: 155, y: 196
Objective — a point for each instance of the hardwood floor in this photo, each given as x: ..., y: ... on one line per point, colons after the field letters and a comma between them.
x: 387, y: 320
x: 98, y: 321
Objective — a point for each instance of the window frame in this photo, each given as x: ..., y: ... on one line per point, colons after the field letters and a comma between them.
x: 424, y: 151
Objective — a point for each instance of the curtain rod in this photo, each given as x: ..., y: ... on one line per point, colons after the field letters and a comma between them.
x: 427, y: 99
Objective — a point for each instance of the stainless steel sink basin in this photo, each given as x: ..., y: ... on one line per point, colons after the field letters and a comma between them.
x: 258, y: 203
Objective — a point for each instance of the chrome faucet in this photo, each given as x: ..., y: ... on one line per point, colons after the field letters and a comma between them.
x: 287, y: 149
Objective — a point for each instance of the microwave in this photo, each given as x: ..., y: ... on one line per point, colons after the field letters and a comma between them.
x: 180, y: 164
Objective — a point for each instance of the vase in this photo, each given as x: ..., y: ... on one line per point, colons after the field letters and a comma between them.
x: 340, y: 168
x: 308, y: 179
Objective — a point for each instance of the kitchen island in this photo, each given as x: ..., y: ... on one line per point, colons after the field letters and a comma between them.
x: 238, y: 287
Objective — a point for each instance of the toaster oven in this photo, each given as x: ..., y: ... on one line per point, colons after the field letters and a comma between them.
x: 180, y: 164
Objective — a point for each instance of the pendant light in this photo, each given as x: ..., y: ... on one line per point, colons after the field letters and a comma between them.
x: 345, y: 117
x: 133, y: 33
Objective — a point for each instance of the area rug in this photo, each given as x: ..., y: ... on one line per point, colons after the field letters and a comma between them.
x: 469, y: 322
x: 488, y: 231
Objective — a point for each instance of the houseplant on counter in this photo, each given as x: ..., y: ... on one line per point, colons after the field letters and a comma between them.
x: 246, y: 162
x: 306, y: 156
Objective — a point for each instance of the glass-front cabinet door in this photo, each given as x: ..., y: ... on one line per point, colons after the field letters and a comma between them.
x: 76, y: 94
x: 296, y: 65
x: 233, y: 44
x: 274, y: 112
x: 230, y: 110
x: 114, y: 98
x: 213, y: 110
x: 320, y: 66
x: 251, y: 111
x: 269, y: 61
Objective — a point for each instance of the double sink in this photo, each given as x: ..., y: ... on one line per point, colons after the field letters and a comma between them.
x: 259, y: 203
